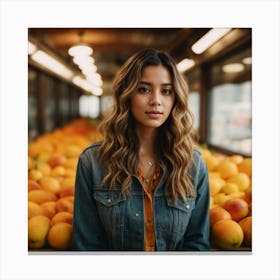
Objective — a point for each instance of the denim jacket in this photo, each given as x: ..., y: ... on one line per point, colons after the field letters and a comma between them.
x: 109, y: 221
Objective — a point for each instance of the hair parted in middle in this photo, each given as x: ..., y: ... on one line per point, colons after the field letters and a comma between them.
x: 174, y: 142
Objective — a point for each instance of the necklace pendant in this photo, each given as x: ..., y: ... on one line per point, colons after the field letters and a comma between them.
x: 150, y: 163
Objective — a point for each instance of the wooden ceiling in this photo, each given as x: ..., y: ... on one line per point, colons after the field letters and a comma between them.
x: 112, y: 46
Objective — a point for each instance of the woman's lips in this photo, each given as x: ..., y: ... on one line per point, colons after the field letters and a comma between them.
x: 154, y: 114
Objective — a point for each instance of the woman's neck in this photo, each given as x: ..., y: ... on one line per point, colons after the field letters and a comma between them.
x: 146, y: 138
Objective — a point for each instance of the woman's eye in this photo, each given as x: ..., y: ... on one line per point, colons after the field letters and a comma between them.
x: 143, y: 90
x: 166, y: 91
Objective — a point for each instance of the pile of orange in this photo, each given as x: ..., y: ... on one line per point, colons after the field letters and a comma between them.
x: 52, y: 160
x: 230, y: 181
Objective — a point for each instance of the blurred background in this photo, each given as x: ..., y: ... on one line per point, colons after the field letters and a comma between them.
x: 70, y: 73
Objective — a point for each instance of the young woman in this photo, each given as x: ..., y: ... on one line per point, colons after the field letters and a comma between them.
x: 144, y: 187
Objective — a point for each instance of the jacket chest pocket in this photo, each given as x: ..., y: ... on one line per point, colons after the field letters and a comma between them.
x: 111, y: 209
x: 180, y: 213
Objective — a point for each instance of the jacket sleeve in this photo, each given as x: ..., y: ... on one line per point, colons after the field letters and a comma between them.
x: 88, y: 233
x: 197, y: 237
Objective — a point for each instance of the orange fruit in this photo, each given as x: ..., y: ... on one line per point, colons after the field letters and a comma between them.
x: 246, y: 225
x: 49, y: 209
x: 34, y: 209
x: 35, y: 175
x: 62, y: 217
x: 33, y: 185
x: 227, y: 235
x: 241, y: 179
x: 44, y: 168
x: 215, y: 185
x: 236, y: 158
x: 38, y: 227
x: 237, y: 207
x: 218, y: 213
x: 220, y: 198
x: 58, y: 171
x: 41, y: 196
x: 59, y: 236
x: 211, y: 162
x: 65, y: 204
x: 229, y: 188
x: 246, y: 166
x: 226, y: 168
x: 50, y: 184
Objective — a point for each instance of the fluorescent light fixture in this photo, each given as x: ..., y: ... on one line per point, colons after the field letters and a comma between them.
x: 80, y: 60
x: 31, y: 48
x: 185, y: 64
x: 247, y: 60
x: 52, y: 64
x: 209, y: 39
x: 80, y: 50
x: 233, y: 68
x: 87, y: 85
x: 97, y: 91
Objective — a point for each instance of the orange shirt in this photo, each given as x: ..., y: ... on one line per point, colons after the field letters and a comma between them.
x: 150, y: 243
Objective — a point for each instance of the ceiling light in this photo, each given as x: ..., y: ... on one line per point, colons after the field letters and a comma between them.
x: 185, y: 64
x: 209, y: 39
x: 83, y: 59
x: 52, y: 64
x: 31, y: 48
x: 80, y: 50
x: 233, y: 67
x: 247, y: 60
x: 87, y: 85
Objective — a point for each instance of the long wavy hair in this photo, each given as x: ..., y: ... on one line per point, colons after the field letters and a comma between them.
x: 174, y: 142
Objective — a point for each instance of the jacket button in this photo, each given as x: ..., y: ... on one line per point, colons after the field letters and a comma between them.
x: 136, y: 214
x: 187, y: 206
x: 109, y: 200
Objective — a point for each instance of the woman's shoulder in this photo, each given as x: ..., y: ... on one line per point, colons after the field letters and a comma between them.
x: 197, y: 155
x: 91, y: 150
x: 198, y: 160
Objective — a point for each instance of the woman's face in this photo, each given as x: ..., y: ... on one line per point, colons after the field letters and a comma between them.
x: 153, y: 100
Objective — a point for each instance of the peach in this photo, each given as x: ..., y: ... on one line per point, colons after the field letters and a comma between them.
x: 50, y: 184
x: 237, y: 207
x: 33, y: 185
x: 66, y: 191
x: 229, y: 188
x: 41, y: 196
x: 49, y: 209
x: 59, y: 236
x: 218, y: 213
x: 242, y: 180
x: 63, y: 216
x: 65, y: 204
x: 220, y: 198
x: 58, y: 171
x: 44, y: 168
x: 226, y: 168
x: 38, y: 228
x: 69, y: 181
x: 246, y: 225
x: 227, y: 235
x: 56, y: 160
x: 35, y: 175
x: 34, y: 209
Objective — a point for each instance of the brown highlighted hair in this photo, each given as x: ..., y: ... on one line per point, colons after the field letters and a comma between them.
x: 174, y: 142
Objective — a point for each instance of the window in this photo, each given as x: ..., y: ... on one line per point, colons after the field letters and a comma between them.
x: 194, y: 103
x: 89, y: 106
x: 33, y: 126
x: 229, y: 119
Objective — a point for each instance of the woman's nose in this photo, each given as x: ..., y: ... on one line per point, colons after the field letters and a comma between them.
x: 155, y: 98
